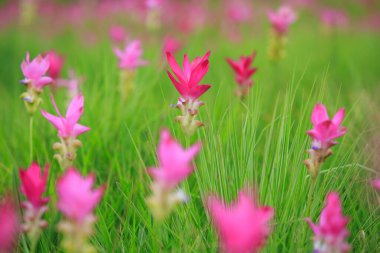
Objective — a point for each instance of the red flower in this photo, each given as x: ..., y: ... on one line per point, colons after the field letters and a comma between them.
x: 243, y: 69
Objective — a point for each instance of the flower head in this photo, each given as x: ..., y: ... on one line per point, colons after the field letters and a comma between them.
x: 76, y: 196
x: 326, y: 130
x: 171, y: 45
x: 56, y: 62
x: 68, y: 126
x: 331, y: 232
x: 239, y: 11
x: 9, y: 225
x: 187, y: 81
x: 334, y: 18
x: 243, y: 70
x: 175, y: 162
x: 130, y: 57
x: 282, y: 19
x: 243, y: 226
x: 376, y: 184
x: 117, y: 34
x: 35, y: 72
x: 33, y: 184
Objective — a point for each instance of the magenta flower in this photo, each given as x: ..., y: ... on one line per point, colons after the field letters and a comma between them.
x: 175, y: 162
x: 56, y: 62
x: 117, y: 34
x: 282, y: 19
x: 376, y: 184
x: 33, y: 184
x: 243, y: 70
x: 9, y: 225
x: 243, y: 226
x: 331, y: 233
x: 334, y: 18
x: 239, y: 11
x: 68, y: 126
x: 76, y: 196
x: 325, y: 131
x: 130, y: 57
x: 35, y: 72
x: 187, y: 81
x: 171, y: 45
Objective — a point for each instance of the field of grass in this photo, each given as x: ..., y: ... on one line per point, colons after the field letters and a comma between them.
x: 259, y: 142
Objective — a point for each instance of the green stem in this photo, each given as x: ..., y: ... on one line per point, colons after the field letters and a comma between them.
x: 31, y: 137
x: 309, y: 205
x: 33, y: 246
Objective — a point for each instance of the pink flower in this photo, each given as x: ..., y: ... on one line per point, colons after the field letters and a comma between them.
x: 9, y: 225
x: 243, y: 226
x: 67, y: 126
x: 33, y: 184
x: 239, y: 11
x: 56, y: 62
x: 130, y: 58
x: 175, y: 162
x: 243, y: 70
x: 76, y: 196
x: 186, y: 81
x: 153, y: 4
x: 282, y: 19
x: 334, y: 18
x: 331, y: 233
x: 325, y: 131
x: 118, y: 34
x: 35, y: 72
x: 171, y: 45
x: 376, y: 184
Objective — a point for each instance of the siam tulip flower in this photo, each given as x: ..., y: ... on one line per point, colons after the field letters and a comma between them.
x: 72, y: 84
x: 171, y: 45
x: 175, y: 166
x: 376, y: 184
x: 323, y: 134
x: 280, y: 21
x: 243, y: 72
x: 333, y: 18
x: 129, y: 61
x: 68, y: 130
x: 186, y: 82
x: 33, y: 186
x: 9, y: 225
x: 238, y: 11
x: 35, y: 80
x: 331, y: 233
x: 243, y: 226
x: 56, y: 62
x: 76, y: 200
x: 118, y: 34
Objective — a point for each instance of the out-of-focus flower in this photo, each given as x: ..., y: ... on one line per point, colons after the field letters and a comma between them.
x: 73, y: 84
x: 238, y: 11
x: 242, y: 227
x: 35, y: 79
x: 330, y: 234
x: 33, y: 186
x: 323, y: 134
x: 175, y: 166
x: 76, y: 200
x: 68, y: 130
x: 243, y: 72
x: 171, y: 45
x: 56, y: 63
x: 186, y: 82
x: 130, y: 57
x: 376, y: 184
x: 334, y: 18
x: 118, y: 34
x: 9, y: 225
x: 282, y: 19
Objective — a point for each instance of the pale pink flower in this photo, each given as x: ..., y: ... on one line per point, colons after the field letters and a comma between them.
x: 68, y: 126
x: 35, y: 72
x: 239, y: 11
x: 171, y: 45
x: 56, y: 63
x: 334, y: 18
x: 243, y: 226
x: 326, y: 130
x: 9, y: 225
x: 118, y: 34
x: 282, y: 19
x: 331, y: 233
x: 130, y: 57
x: 33, y: 184
x: 72, y: 84
x: 187, y: 81
x: 175, y: 162
x: 76, y: 196
x: 376, y: 184
x: 243, y: 70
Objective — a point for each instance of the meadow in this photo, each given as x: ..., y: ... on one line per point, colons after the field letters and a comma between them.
x: 259, y: 142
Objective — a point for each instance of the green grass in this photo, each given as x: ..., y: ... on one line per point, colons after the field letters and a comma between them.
x: 259, y: 142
